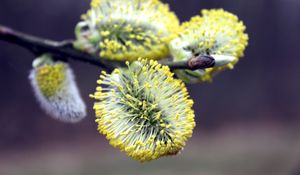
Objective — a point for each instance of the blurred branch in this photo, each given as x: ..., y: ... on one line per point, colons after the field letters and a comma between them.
x: 38, y: 46
x: 64, y: 50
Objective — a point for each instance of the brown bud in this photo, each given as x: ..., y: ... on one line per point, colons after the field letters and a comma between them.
x: 201, y: 62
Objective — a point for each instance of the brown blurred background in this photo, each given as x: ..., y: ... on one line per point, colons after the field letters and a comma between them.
x: 247, y: 119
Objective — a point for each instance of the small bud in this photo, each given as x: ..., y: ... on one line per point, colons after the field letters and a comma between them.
x: 42, y: 60
x: 55, y: 88
x: 201, y: 61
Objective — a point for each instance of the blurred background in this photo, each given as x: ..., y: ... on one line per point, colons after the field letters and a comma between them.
x: 247, y: 119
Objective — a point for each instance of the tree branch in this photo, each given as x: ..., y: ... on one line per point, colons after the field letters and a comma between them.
x: 64, y: 50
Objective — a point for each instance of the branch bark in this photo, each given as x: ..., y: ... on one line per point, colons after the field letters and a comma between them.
x: 64, y: 50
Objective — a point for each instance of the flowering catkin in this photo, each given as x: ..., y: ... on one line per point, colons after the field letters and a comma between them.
x: 127, y: 29
x: 143, y: 110
x: 55, y: 89
x: 217, y: 33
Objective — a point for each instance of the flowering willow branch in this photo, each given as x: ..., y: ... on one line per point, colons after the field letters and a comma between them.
x: 63, y: 50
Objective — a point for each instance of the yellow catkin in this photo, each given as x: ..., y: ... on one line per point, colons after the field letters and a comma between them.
x: 216, y: 32
x: 144, y: 111
x: 127, y: 29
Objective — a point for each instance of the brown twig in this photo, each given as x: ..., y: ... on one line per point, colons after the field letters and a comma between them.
x: 64, y: 50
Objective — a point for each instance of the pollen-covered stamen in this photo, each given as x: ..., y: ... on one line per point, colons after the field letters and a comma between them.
x: 50, y: 78
x: 144, y: 111
x: 120, y: 37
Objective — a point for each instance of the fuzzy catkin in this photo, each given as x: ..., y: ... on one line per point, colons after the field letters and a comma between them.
x: 56, y: 91
x: 144, y: 111
x: 216, y: 32
x: 127, y: 29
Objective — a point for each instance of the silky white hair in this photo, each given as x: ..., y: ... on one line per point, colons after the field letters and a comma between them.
x: 66, y: 104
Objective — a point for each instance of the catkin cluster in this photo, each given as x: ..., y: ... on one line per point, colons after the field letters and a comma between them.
x: 142, y: 109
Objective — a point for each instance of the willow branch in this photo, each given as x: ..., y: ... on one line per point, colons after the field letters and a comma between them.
x: 64, y: 50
